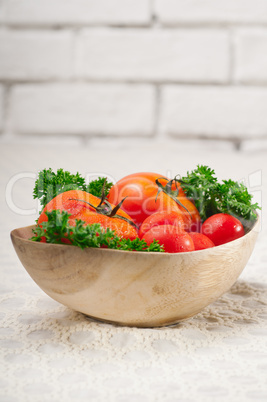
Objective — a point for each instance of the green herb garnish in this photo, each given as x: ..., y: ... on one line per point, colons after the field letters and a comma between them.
x: 212, y: 197
x: 49, y: 184
x: 57, y: 230
x: 95, y: 186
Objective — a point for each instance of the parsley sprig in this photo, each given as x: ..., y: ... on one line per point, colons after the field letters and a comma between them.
x: 95, y: 186
x: 57, y: 230
x: 212, y: 197
x: 49, y: 184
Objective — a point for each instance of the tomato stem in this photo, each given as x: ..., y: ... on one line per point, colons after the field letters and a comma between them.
x: 167, y: 189
x: 105, y: 208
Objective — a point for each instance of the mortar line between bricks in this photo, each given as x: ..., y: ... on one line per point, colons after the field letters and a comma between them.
x: 154, y: 17
x: 212, y: 25
x: 238, y: 145
x: 85, y: 135
x: 86, y: 138
x: 233, y: 138
x: 62, y: 27
x: 6, y: 108
x: 132, y: 82
x: 147, y: 26
x: 76, y: 35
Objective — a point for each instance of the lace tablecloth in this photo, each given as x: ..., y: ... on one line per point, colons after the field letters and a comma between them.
x: 51, y: 353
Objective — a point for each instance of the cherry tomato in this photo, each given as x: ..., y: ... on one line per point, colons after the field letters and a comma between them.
x: 143, y: 195
x: 76, y: 202
x: 171, y: 237
x: 200, y: 241
x: 161, y: 218
x: 222, y: 228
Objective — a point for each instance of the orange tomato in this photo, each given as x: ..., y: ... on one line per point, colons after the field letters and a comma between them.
x: 76, y: 203
x: 144, y: 196
x: 191, y: 217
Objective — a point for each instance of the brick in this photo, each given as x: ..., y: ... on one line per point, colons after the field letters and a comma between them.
x: 78, y: 11
x: 251, y: 55
x: 223, y: 112
x: 254, y: 146
x: 211, y: 11
x: 2, y: 11
x: 140, y: 54
x: 35, y: 55
x: 1, y: 107
x: 82, y: 109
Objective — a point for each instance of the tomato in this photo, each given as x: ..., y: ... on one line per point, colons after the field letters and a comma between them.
x: 222, y: 228
x: 171, y: 237
x: 201, y: 241
x: 143, y: 195
x: 191, y: 217
x: 76, y: 202
x: 161, y: 218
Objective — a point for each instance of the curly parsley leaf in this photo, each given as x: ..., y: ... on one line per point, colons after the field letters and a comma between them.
x: 57, y: 230
x: 212, y: 197
x: 49, y: 184
x: 95, y: 186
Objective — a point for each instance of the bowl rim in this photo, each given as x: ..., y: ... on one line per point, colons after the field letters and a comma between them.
x: 13, y: 234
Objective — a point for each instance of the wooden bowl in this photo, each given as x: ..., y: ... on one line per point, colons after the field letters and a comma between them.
x: 133, y: 288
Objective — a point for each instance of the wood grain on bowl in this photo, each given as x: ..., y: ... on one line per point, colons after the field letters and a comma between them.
x: 133, y: 288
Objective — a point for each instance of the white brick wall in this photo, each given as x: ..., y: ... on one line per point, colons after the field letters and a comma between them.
x: 75, y: 109
x: 215, y: 112
x: 62, y: 12
x: 31, y: 55
x: 159, y: 69
x: 251, y: 55
x: 155, y: 55
x: 211, y: 11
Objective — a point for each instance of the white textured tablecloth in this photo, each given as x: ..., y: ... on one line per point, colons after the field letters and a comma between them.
x: 51, y: 353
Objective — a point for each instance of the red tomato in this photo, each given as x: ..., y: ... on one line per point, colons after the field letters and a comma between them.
x: 75, y: 202
x: 142, y: 195
x: 201, y: 241
x: 171, y: 237
x: 161, y: 218
x: 222, y: 228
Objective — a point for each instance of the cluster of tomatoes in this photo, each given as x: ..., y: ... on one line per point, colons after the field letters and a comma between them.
x: 151, y: 207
